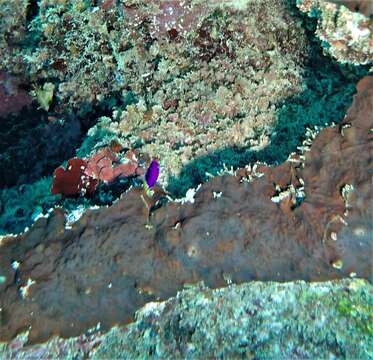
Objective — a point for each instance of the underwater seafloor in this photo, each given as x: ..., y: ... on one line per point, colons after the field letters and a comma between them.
x: 255, y: 240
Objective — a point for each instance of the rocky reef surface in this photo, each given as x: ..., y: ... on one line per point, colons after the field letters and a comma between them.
x: 345, y: 28
x: 235, y: 82
x: 308, y: 218
x: 198, y: 77
x: 254, y: 321
x: 217, y: 98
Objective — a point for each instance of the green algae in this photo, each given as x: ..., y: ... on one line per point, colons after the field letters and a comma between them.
x: 22, y: 205
x: 44, y: 95
x: 358, y: 307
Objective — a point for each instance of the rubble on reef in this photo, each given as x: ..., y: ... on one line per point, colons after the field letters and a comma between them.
x: 258, y: 320
x: 346, y: 35
x: 308, y: 218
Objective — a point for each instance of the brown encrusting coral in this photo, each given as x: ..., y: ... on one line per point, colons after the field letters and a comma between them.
x: 308, y: 218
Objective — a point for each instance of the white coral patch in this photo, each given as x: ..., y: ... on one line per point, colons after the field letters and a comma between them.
x: 189, y: 196
x: 15, y: 265
x: 356, y: 32
x: 216, y: 194
x: 24, y: 290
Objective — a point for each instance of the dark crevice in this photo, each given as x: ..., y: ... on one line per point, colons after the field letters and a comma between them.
x: 32, y: 10
x: 33, y: 144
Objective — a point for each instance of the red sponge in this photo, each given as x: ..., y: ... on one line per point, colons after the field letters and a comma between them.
x: 73, y: 181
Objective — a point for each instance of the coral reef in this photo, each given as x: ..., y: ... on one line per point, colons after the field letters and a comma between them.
x: 100, y: 55
x: 363, y: 6
x: 214, y: 87
x: 346, y: 35
x: 258, y: 74
x: 192, y: 84
x: 149, y: 60
x: 254, y: 320
x: 81, y: 177
x: 14, y: 35
x: 144, y: 63
x: 308, y: 218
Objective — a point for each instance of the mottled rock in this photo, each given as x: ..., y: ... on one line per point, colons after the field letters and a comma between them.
x: 346, y: 35
x: 305, y: 219
x: 254, y: 320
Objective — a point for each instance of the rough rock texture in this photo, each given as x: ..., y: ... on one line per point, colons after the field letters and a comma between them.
x: 214, y: 87
x: 256, y: 320
x: 99, y: 53
x: 363, y: 6
x: 183, y: 78
x: 346, y: 35
x: 306, y: 219
x: 331, y: 320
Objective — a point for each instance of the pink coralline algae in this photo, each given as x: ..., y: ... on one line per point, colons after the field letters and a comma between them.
x: 173, y: 18
x: 12, y: 98
x: 83, y: 176
x: 104, y: 166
